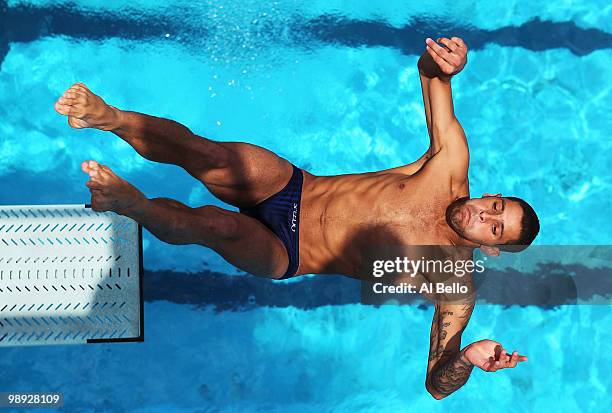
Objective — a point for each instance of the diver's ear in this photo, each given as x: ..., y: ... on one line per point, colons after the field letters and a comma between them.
x: 490, y: 251
x: 496, y: 195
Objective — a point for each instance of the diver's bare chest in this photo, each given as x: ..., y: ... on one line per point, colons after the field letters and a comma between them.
x: 413, y: 199
x: 405, y: 205
x: 415, y: 212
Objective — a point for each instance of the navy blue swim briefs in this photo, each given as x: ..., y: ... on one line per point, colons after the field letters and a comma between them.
x: 281, y: 214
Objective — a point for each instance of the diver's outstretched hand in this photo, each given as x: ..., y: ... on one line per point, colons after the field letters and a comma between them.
x: 451, y: 57
x: 489, y: 355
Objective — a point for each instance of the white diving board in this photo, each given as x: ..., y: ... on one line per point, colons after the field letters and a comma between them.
x: 69, y: 275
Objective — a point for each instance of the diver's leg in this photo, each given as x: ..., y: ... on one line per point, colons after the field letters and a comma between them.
x: 241, y: 240
x: 238, y: 173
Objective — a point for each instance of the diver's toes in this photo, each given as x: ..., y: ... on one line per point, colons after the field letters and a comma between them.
x: 93, y: 185
x: 80, y: 90
x: 66, y: 101
x: 70, y: 94
x: 61, y: 109
x: 107, y: 170
x: 85, y: 166
x: 91, y: 167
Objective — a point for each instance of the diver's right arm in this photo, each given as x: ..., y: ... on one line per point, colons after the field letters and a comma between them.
x: 436, y: 66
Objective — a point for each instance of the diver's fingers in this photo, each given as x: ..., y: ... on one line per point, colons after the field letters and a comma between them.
x: 459, y: 41
x: 513, y: 359
x: 439, y: 50
x: 452, y: 46
x: 444, y: 65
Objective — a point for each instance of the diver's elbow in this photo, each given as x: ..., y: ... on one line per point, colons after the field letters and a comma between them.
x: 436, y: 395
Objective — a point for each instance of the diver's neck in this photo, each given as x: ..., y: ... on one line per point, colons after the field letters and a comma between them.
x: 457, y: 240
x: 462, y: 242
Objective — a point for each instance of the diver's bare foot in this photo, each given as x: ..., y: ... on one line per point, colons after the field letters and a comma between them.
x: 85, y: 109
x: 109, y: 192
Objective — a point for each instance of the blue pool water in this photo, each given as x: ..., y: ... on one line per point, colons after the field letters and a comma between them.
x: 332, y: 86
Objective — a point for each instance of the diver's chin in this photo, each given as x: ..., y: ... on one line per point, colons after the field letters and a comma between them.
x: 455, y: 226
x: 456, y: 215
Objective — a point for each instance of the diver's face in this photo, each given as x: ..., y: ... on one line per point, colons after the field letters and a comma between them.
x: 490, y: 220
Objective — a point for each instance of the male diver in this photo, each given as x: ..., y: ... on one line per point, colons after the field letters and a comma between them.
x: 292, y: 222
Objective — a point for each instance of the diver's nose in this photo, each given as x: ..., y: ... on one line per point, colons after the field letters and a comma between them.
x: 481, y: 216
x: 485, y: 215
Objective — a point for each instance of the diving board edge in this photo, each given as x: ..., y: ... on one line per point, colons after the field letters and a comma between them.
x: 140, y: 337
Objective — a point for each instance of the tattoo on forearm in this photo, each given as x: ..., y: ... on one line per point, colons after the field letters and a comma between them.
x: 448, y: 369
x: 445, y: 341
x: 450, y: 376
x: 444, y: 324
x: 438, y: 334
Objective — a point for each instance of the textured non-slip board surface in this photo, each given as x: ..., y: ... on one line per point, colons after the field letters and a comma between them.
x: 68, y: 275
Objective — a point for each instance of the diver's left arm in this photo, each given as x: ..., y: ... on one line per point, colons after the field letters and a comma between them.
x: 449, y: 366
x: 488, y: 355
